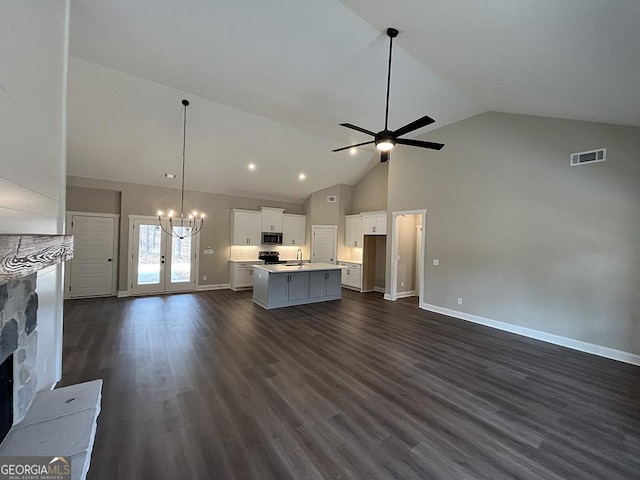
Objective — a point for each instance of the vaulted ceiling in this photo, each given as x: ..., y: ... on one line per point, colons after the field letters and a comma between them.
x: 269, y: 82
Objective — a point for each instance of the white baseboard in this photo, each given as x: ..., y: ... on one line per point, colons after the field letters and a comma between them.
x: 579, y: 345
x: 220, y: 286
x: 123, y: 293
x: 387, y: 296
x: 411, y: 293
x: 349, y: 287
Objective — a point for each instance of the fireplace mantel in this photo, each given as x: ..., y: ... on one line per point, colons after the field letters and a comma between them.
x: 22, y: 255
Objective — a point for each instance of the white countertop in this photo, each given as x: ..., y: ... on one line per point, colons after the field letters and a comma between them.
x: 359, y: 262
x: 306, y: 267
x: 247, y: 260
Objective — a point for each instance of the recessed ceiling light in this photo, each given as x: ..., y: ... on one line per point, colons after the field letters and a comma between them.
x: 170, y: 175
x: 353, y: 151
x: 251, y: 166
x: 302, y: 176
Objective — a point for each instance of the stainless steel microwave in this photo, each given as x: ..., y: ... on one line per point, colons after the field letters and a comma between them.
x: 271, y: 238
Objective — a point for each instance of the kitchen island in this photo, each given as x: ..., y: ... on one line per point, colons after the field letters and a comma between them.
x: 276, y: 286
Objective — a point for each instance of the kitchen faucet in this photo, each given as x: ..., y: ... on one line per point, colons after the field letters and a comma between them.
x: 299, y: 256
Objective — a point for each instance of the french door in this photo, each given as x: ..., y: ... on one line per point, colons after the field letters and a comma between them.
x: 161, y: 262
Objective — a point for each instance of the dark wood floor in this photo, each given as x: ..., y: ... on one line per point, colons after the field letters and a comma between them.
x: 211, y: 386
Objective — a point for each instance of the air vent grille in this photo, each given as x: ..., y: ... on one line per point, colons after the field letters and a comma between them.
x: 591, y: 156
x: 332, y: 198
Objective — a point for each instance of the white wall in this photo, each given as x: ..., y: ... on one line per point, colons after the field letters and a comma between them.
x: 33, y: 68
x: 521, y: 236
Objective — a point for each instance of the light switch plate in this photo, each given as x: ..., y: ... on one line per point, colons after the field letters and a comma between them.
x: 436, y: 261
x: 208, y: 251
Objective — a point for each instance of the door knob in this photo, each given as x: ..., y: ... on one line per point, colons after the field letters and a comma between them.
x: 108, y: 259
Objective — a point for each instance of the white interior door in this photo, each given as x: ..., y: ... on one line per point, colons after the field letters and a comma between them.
x: 324, y: 243
x: 94, y: 256
x: 161, y: 262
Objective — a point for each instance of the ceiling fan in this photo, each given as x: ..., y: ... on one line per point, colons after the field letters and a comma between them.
x: 386, y: 139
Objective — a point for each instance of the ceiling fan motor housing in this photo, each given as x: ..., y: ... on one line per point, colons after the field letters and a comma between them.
x: 385, y: 136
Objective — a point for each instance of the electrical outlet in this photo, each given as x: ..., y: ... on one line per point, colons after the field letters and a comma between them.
x: 459, y: 300
x: 204, y: 277
x: 46, y: 364
x: 402, y: 284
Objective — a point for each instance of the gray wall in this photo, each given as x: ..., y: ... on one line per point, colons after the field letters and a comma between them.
x: 96, y: 200
x: 33, y: 73
x: 523, y: 237
x: 370, y: 193
x: 147, y: 200
x: 321, y: 212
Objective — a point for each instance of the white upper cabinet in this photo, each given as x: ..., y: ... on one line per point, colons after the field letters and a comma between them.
x: 294, y: 229
x: 272, y: 219
x: 353, y: 231
x: 246, y: 227
x: 374, y: 223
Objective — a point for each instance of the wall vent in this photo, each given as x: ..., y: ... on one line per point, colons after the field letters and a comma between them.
x: 332, y: 198
x: 591, y: 156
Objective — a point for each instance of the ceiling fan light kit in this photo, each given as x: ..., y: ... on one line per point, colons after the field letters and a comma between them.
x: 386, y: 139
x: 195, y: 220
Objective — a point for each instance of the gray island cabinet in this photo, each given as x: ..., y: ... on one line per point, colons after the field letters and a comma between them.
x: 277, y: 286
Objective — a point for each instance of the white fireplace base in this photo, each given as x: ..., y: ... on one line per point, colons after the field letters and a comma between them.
x: 61, y: 423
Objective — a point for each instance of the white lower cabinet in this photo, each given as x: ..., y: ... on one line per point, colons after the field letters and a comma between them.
x: 352, y: 275
x: 241, y: 275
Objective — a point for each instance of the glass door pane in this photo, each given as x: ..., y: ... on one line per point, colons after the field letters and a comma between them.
x: 149, y: 254
x: 181, y: 255
x: 148, y: 261
x: 181, y: 268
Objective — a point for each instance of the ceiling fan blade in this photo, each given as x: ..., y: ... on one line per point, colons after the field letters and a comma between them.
x: 416, y: 124
x: 360, y: 129
x: 384, y: 157
x: 420, y: 143
x: 352, y: 146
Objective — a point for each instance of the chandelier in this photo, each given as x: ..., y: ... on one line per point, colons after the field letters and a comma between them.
x: 192, y: 224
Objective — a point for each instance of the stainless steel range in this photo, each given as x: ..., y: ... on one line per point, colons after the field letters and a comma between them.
x: 270, y: 257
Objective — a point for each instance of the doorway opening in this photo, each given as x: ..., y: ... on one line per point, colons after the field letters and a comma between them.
x: 159, y: 262
x: 408, y: 235
x: 374, y: 263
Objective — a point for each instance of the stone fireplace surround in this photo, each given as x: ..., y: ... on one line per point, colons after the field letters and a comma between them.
x: 18, y: 335
x: 60, y: 422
